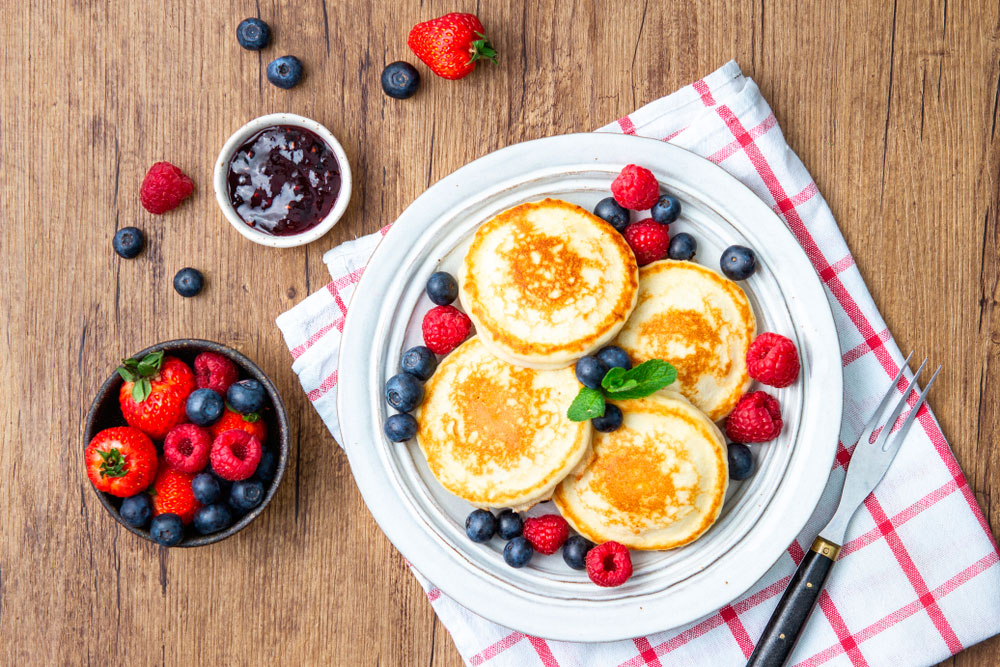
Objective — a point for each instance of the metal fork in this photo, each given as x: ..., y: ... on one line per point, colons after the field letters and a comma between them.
x: 871, y: 458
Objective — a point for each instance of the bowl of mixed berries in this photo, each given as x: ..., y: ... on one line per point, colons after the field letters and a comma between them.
x: 186, y: 443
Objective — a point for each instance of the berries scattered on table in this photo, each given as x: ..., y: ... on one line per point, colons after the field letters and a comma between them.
x: 166, y: 529
x: 400, y: 80
x: 204, y: 407
x: 251, y: 423
x: 419, y: 362
x: 164, y: 188
x: 610, y: 421
x: 206, y: 488
x: 186, y: 447
x: 172, y: 494
x: 666, y: 209
x: 756, y: 418
x: 214, y: 371
x: 136, y: 510
x: 773, y: 360
x: 212, y: 519
x: 518, y: 552
x: 235, y: 455
x: 253, y: 34
x: 154, y: 393
x: 509, y: 524
x: 682, y: 247
x: 189, y: 282
x: 649, y: 240
x: 546, y: 533
x: 128, y: 242
x: 575, y: 551
x: 613, y: 356
x: 480, y: 525
x: 442, y: 288
x: 246, y: 396
x: 613, y: 213
x: 121, y: 461
x: 451, y: 45
x: 738, y: 262
x: 246, y: 494
x: 609, y: 564
x: 444, y: 328
x: 404, y: 392
x: 285, y: 72
x: 636, y: 188
x: 590, y: 371
x: 741, y: 463
x: 400, y: 427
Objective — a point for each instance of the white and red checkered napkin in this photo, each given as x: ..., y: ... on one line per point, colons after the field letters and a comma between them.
x: 918, y: 579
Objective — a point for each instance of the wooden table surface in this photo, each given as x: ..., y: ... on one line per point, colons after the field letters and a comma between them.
x: 891, y: 105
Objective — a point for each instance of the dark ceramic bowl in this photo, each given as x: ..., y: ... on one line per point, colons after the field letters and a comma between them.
x: 105, y: 413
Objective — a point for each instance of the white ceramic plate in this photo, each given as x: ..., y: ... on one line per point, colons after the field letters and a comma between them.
x: 761, y: 516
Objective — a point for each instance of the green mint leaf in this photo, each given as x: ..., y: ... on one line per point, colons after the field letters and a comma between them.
x: 613, y: 378
x: 643, y: 380
x: 589, y: 403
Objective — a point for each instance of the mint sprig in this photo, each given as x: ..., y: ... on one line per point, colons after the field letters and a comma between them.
x: 138, y: 372
x: 620, y: 384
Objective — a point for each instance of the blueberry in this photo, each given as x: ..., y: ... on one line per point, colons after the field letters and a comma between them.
x: 188, y: 282
x: 480, y: 525
x: 741, y: 463
x: 611, y: 420
x: 442, y: 288
x: 166, y: 529
x: 135, y: 511
x: 246, y: 396
x: 509, y: 525
x: 400, y: 427
x: 682, y: 246
x: 284, y: 72
x: 518, y: 552
x: 738, y: 262
x: 666, y: 209
x: 225, y: 485
x: 212, y: 519
x: 613, y: 356
x: 205, y: 488
x: 267, y: 469
x: 128, y: 242
x: 204, y: 407
x: 419, y: 362
x: 400, y: 80
x: 253, y: 34
x: 590, y: 371
x: 246, y: 494
x: 575, y: 550
x: 614, y: 213
x: 404, y: 392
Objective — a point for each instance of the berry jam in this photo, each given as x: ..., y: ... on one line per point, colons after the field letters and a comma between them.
x: 284, y: 180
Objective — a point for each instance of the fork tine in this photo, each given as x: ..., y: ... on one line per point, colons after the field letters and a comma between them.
x: 873, y: 421
x: 921, y: 399
x: 896, y: 411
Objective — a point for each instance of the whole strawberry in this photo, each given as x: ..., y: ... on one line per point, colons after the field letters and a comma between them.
x: 172, y: 494
x: 609, y: 564
x: 121, y: 461
x: 546, y: 533
x: 756, y: 418
x: 648, y: 239
x: 251, y: 423
x: 773, y: 360
x: 451, y: 44
x: 155, y: 390
x: 164, y: 188
x: 444, y: 328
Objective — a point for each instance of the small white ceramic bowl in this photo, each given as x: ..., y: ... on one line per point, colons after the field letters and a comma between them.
x: 222, y: 187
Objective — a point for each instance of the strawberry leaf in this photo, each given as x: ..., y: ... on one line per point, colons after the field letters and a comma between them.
x: 112, y: 463
x: 251, y: 417
x: 126, y: 374
x: 132, y: 370
x: 482, y: 50
x: 141, y: 390
x: 589, y: 403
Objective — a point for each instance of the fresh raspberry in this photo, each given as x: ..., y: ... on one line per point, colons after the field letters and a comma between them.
x: 235, y: 455
x: 756, y: 418
x: 773, y: 360
x: 251, y: 423
x: 172, y: 494
x: 164, y: 188
x: 444, y: 328
x: 636, y: 188
x: 648, y: 239
x: 186, y: 448
x: 546, y: 533
x: 609, y: 564
x: 214, y: 371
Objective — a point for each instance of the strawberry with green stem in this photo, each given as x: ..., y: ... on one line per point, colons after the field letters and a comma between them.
x: 121, y: 461
x: 155, y: 392
x: 451, y: 45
